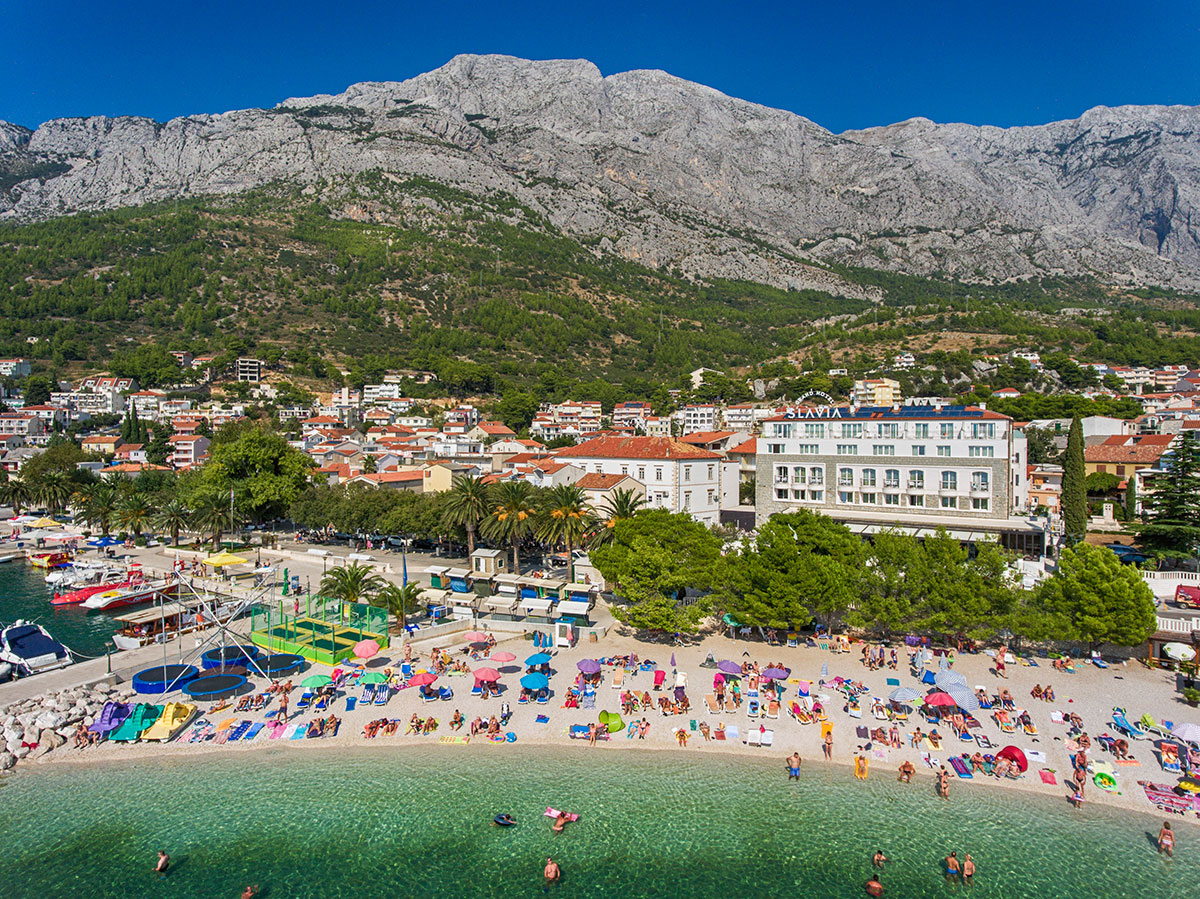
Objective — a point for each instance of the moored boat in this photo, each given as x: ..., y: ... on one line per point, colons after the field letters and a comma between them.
x: 42, y: 559
x: 30, y: 649
x: 143, y: 717
x: 146, y: 591
x: 159, y: 622
x: 174, y: 718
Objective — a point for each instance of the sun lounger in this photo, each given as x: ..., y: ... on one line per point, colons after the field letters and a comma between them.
x: 1097, y: 661
x: 543, y: 698
x: 710, y: 700
x: 767, y: 738
x: 445, y: 693
x: 929, y: 760
x: 618, y: 679
x: 305, y: 700
x: 753, y: 738
x: 732, y: 733
x: 382, y: 694
x: 1150, y: 726
x: 368, y: 694
x: 772, y: 709
x: 960, y: 768
x: 982, y: 741
x: 1030, y: 728
x: 1121, y: 723
x: 430, y: 696
x: 1004, y: 721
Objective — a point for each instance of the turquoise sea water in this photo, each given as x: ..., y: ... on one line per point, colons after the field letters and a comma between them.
x: 416, y: 822
x: 24, y: 594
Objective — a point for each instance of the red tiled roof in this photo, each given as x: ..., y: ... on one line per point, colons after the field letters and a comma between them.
x: 749, y: 448
x: 667, y: 448
x: 1137, y: 454
x: 596, y: 481
x: 496, y: 428
x: 393, y: 477
x: 706, y: 436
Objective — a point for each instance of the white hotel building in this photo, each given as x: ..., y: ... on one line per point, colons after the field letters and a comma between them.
x: 912, y: 468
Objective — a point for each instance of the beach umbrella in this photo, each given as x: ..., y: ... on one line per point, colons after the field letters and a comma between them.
x: 944, y: 663
x: 672, y: 660
x: 317, y: 680
x: 940, y: 699
x: 424, y: 679
x: 373, y: 677
x: 365, y: 649
x: 46, y: 523
x: 538, y: 658
x: 503, y: 657
x: 490, y: 675
x: 612, y: 721
x: 1016, y: 755
x: 1187, y: 732
x: 588, y: 666
x: 535, y: 682
x: 475, y: 637
x: 775, y: 673
x: 824, y: 669
x: 224, y: 560
x: 480, y: 644
x: 1180, y: 652
x: 729, y: 667
x: 964, y: 698
x: 718, y: 679
x: 945, y: 679
x: 904, y: 694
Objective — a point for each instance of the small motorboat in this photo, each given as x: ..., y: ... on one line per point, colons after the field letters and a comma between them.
x: 30, y: 649
x: 128, y: 595
x: 41, y: 559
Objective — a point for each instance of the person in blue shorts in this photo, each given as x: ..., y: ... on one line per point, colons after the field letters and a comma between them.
x: 793, y: 766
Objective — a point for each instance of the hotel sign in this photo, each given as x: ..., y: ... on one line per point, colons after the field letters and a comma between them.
x: 829, y: 409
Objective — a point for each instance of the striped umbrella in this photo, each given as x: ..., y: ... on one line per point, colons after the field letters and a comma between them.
x: 945, y: 679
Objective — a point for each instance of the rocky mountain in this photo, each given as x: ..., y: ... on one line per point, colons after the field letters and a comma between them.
x: 676, y: 175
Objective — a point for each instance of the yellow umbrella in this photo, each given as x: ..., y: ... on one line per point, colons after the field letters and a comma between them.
x: 222, y: 559
x: 45, y: 523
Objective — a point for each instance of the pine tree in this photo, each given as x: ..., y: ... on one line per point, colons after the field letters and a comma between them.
x: 1074, y: 491
x: 1172, y: 509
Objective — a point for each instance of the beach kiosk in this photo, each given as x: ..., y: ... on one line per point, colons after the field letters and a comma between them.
x: 551, y: 588
x: 486, y: 563
x: 460, y: 580
x: 535, y: 609
x: 438, y: 578
x: 500, y: 606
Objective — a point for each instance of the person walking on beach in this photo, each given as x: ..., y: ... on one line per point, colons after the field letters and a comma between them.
x: 827, y: 746
x: 282, y: 714
x: 968, y: 869
x: 952, y: 868
x: 793, y: 766
x: 1000, y: 664
x: 164, y: 862
x: 552, y: 872
x: 1166, y: 840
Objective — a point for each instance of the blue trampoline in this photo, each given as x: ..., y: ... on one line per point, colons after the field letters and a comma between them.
x: 164, y: 678
x: 214, y: 686
x: 224, y: 656
x: 281, y: 663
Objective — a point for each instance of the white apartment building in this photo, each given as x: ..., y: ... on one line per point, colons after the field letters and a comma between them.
x: 904, y: 361
x: 677, y: 477
x: 21, y: 424
x: 914, y: 468
x: 658, y: 426
x: 744, y: 417
x: 14, y: 368
x: 99, y: 402
x: 631, y: 415
x: 699, y: 417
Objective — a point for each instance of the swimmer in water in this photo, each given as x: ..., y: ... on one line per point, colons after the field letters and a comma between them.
x: 164, y: 862
x: 552, y: 872
x: 560, y: 822
x: 505, y: 820
x: 1166, y: 839
x: 880, y: 859
x: 793, y: 766
x: 952, y: 868
x: 873, y: 886
x: 250, y: 892
x: 968, y: 869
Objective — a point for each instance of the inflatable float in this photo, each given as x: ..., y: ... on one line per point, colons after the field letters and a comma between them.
x: 554, y: 813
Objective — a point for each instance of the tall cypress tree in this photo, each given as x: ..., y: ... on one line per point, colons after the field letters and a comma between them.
x: 1131, y: 498
x: 1172, y: 508
x: 1074, y: 491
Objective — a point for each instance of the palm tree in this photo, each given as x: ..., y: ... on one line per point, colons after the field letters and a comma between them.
x: 622, y: 504
x: 400, y: 601
x: 211, y: 515
x: 174, y: 516
x: 133, y: 512
x: 95, y: 504
x: 16, y: 492
x: 53, y: 489
x: 351, y: 583
x: 512, y: 518
x: 566, y: 519
x: 468, y: 503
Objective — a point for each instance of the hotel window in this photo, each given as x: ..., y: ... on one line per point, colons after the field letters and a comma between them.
x: 624, y: 469
x: 891, y: 477
x: 814, y: 429
x: 869, y: 498
x: 781, y: 494
x: 711, y: 471
x: 943, y: 449
x: 781, y: 474
x: 889, y: 430
x: 949, y: 480
x: 946, y: 430
x: 816, y: 496
x: 687, y: 472
x: 710, y: 497
x: 883, y: 449
x: 981, y: 505
x: 776, y: 448
x: 809, y: 449
x: 921, y: 431
x: 916, y: 500
x: 847, y: 449
x: 918, y: 450
x: 1101, y: 469
x: 891, y: 499
x: 642, y: 473
x: 981, y: 452
x: 949, y: 502
x: 845, y: 496
x: 816, y: 476
x: 845, y: 477
x: 868, y: 477
x: 982, y: 430
x: 658, y: 474
x: 799, y: 474
x: 916, y: 478
x: 980, y: 480
x: 852, y: 430
x: 783, y: 430
x: 687, y: 499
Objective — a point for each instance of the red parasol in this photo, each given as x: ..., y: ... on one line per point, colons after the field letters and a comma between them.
x: 486, y: 674
x: 940, y: 699
x: 422, y: 680
x: 1015, y: 755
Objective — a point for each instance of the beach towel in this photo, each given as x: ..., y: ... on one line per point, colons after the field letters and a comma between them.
x: 1048, y: 778
x: 1129, y: 763
x: 455, y: 740
x: 542, y: 719
x: 960, y: 768
x: 253, y: 731
x: 880, y: 753
x: 732, y: 733
x: 862, y: 733
x: 299, y: 731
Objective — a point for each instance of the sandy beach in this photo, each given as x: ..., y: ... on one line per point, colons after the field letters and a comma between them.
x: 1089, y: 692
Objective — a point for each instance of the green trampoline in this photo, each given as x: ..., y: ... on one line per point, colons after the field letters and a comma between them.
x: 326, y: 631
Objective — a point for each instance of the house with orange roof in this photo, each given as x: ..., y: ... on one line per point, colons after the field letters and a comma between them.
x: 677, y: 476
x: 412, y: 480
x: 101, y: 444
x: 187, y: 449
x: 717, y: 441
x: 488, y: 431
x: 599, y: 488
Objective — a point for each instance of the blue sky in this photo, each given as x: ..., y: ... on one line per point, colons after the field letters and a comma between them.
x: 842, y: 64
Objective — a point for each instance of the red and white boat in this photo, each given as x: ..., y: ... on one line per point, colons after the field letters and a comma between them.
x: 129, y: 594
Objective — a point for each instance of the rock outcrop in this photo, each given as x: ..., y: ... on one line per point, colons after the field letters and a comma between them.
x: 671, y: 173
